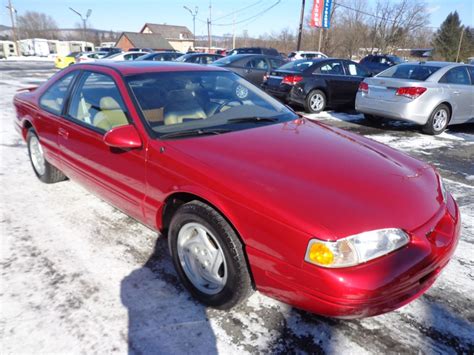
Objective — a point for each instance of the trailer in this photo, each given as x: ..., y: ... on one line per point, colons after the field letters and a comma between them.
x: 81, y: 46
x: 34, y: 47
x: 7, y: 49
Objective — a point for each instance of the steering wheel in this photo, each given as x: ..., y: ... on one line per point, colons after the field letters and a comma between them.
x: 229, y: 103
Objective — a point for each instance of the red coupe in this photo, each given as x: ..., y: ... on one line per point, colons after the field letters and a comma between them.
x: 250, y: 195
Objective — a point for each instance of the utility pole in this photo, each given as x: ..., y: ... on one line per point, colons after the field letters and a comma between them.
x: 300, y: 29
x: 193, y: 14
x: 233, y: 32
x: 459, y: 46
x: 320, y: 38
x: 12, y: 9
x: 209, y: 34
x: 84, y: 21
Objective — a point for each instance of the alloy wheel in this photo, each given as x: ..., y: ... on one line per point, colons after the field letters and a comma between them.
x: 316, y: 102
x: 202, y: 258
x: 37, y: 155
x: 440, y: 120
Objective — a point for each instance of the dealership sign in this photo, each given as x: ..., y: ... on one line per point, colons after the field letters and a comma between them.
x: 321, y: 13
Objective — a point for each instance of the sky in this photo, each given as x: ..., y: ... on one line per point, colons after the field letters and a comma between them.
x: 128, y: 15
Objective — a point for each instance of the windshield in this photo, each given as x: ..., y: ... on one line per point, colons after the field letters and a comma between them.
x: 409, y: 71
x: 227, y: 60
x: 195, y: 100
x: 395, y: 59
x: 182, y: 58
x: 297, y: 65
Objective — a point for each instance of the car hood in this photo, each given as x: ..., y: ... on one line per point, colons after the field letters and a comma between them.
x: 321, y: 180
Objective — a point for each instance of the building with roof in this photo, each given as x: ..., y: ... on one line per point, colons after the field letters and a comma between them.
x: 153, y: 41
x: 180, y: 37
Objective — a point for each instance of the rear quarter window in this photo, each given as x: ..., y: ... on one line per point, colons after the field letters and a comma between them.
x: 53, y: 98
x: 410, y: 71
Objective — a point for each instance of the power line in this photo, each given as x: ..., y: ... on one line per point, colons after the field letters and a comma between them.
x: 249, y: 18
x: 373, y: 15
x: 239, y: 10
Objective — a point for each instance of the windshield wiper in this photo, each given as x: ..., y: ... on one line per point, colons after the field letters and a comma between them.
x: 194, y: 132
x: 255, y: 119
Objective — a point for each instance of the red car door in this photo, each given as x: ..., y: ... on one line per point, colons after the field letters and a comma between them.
x: 118, y: 176
x: 47, y: 119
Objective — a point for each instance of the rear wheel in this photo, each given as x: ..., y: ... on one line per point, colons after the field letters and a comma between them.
x: 438, y: 120
x: 208, y: 256
x: 42, y: 168
x: 315, y: 101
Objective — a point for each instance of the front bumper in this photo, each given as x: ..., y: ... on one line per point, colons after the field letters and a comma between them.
x: 369, y: 289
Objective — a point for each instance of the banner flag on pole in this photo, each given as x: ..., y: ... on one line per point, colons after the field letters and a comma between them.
x: 321, y: 13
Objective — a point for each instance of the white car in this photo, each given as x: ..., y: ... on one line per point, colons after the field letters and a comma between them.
x: 86, y: 57
x: 125, y: 56
x: 306, y: 55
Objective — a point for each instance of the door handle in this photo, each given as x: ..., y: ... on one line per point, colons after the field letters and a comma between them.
x: 63, y: 133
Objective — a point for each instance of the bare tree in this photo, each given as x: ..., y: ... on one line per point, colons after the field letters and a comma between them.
x: 37, y: 25
x: 393, y: 21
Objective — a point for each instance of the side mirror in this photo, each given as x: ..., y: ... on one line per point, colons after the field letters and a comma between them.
x: 123, y: 137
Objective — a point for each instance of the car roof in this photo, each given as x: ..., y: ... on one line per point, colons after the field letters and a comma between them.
x: 432, y: 63
x: 141, y: 67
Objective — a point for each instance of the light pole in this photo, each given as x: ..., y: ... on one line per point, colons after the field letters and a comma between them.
x: 193, y: 14
x: 84, y: 20
x: 15, y: 38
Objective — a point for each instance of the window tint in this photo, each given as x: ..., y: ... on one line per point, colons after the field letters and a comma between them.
x: 53, y: 99
x: 332, y: 68
x: 97, y: 102
x: 299, y: 65
x: 355, y: 70
x: 457, y: 75
x: 276, y: 63
x: 409, y: 71
x: 471, y: 71
x: 257, y: 63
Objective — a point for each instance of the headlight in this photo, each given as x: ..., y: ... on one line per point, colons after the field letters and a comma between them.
x: 356, y: 249
x: 443, y: 189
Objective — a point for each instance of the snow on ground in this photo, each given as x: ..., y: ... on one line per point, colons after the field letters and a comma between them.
x: 78, y: 276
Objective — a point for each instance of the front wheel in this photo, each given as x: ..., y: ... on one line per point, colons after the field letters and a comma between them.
x: 46, y: 172
x: 315, y: 101
x: 438, y: 120
x: 208, y: 256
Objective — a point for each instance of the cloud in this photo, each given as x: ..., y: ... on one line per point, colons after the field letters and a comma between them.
x: 432, y: 9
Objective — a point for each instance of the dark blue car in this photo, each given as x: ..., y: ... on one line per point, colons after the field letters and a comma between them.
x: 377, y: 63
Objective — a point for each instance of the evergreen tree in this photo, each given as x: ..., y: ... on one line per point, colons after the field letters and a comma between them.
x: 447, y: 38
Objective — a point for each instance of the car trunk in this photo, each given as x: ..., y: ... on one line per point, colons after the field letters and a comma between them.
x: 385, y: 88
x: 276, y: 76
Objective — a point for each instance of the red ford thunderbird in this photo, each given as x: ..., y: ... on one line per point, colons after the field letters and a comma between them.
x: 250, y: 195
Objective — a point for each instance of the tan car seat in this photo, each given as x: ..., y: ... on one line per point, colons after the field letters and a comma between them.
x: 110, y: 115
x: 182, y: 105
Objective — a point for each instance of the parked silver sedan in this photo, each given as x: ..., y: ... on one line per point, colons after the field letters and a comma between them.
x: 432, y: 94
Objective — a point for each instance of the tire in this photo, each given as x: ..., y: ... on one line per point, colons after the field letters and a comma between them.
x: 438, y: 121
x: 196, y: 221
x: 46, y: 172
x: 312, y: 106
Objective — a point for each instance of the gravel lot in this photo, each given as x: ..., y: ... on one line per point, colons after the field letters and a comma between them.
x: 78, y: 276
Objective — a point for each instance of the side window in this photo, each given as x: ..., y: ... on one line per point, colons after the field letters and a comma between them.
x: 354, y: 70
x: 53, y: 99
x: 471, y: 72
x: 97, y: 102
x: 275, y: 63
x: 331, y: 68
x: 257, y: 63
x: 457, y: 76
